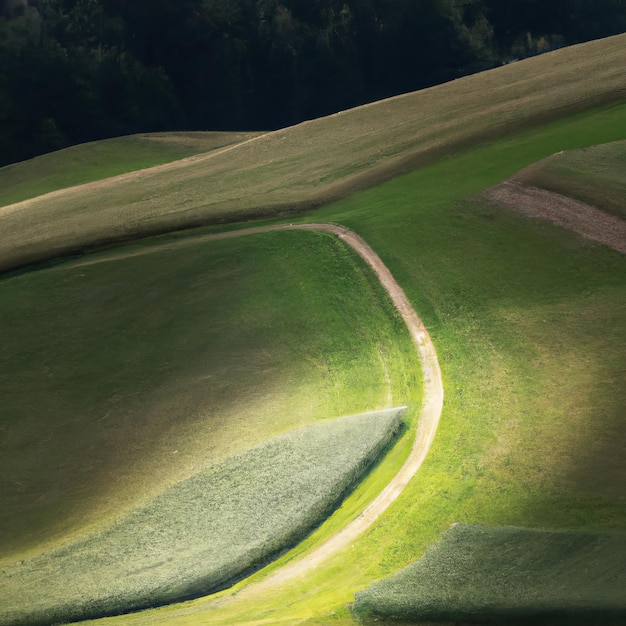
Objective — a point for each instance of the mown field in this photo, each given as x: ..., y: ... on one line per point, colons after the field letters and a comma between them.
x: 594, y: 175
x: 506, y: 575
x: 528, y: 320
x: 204, y: 532
x: 297, y: 168
x: 100, y: 159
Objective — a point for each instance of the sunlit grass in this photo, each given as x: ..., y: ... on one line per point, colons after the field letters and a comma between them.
x: 528, y: 321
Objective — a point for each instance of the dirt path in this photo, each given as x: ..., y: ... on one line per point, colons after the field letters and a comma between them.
x: 428, y: 418
x: 426, y: 425
x: 584, y: 219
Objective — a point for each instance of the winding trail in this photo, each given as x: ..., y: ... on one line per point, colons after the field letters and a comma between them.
x: 427, y: 422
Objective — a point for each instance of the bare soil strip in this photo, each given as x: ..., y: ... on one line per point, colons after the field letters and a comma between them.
x: 428, y: 418
x: 583, y: 219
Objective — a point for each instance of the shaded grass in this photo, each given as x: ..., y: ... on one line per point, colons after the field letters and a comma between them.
x: 205, y: 531
x: 312, y: 163
x: 122, y: 377
x: 506, y: 575
x: 595, y: 175
x: 528, y: 321
x: 100, y: 159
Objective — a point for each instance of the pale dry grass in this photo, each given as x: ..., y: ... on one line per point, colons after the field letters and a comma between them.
x: 206, y: 140
x: 96, y: 160
x: 506, y: 575
x: 315, y: 161
x: 203, y: 532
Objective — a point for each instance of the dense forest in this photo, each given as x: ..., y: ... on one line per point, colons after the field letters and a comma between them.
x: 77, y: 70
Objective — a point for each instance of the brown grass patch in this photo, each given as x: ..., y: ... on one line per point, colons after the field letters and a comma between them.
x: 583, y: 219
x: 595, y: 175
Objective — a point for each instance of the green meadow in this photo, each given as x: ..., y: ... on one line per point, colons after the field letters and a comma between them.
x: 121, y: 377
x: 528, y: 320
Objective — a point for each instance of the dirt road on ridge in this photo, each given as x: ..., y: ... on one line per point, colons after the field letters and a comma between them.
x: 427, y: 422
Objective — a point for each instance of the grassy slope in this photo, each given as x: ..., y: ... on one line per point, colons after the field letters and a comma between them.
x: 528, y: 321
x: 318, y: 160
x: 142, y: 371
x: 594, y: 175
x: 100, y: 159
x: 503, y: 574
x: 205, y: 531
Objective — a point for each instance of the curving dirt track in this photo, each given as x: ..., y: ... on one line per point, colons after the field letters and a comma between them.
x: 428, y: 418
x: 426, y: 425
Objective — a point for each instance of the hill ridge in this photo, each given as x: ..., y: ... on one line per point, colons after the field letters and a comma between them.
x: 319, y: 160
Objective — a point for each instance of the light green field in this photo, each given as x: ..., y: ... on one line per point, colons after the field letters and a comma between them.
x: 528, y: 321
x: 99, y: 159
x: 595, y: 175
x: 206, y: 531
x: 506, y: 575
x: 307, y: 165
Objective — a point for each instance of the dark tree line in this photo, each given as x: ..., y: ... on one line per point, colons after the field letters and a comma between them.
x: 76, y: 70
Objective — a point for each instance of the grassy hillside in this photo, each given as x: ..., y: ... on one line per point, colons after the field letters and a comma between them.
x: 101, y: 159
x: 140, y: 372
x: 316, y: 161
x: 507, y: 575
x: 528, y: 321
x: 595, y: 175
x: 527, y: 318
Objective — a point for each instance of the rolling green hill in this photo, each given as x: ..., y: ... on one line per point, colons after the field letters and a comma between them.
x: 528, y: 321
x: 304, y: 166
x: 527, y: 318
x: 141, y: 371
